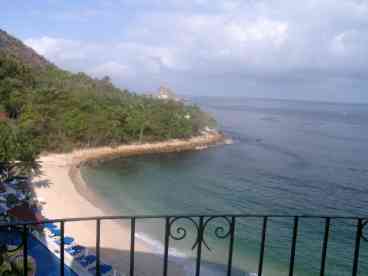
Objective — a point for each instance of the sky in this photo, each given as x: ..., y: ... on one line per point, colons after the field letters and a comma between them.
x: 310, y: 49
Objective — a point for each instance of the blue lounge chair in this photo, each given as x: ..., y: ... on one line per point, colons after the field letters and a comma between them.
x: 87, y: 260
x: 75, y: 250
x: 67, y: 240
x: 54, y: 233
x: 104, y: 269
x: 50, y: 225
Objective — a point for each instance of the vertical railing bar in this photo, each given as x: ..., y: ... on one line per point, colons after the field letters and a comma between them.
x: 25, y: 250
x: 293, y: 246
x: 167, y: 240
x: 324, y: 246
x: 231, y: 246
x: 98, y: 245
x: 132, y: 246
x: 199, y: 244
x: 261, y: 254
x: 357, y: 247
x: 62, y: 230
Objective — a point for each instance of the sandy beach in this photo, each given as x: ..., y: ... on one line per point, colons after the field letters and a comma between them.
x: 67, y: 195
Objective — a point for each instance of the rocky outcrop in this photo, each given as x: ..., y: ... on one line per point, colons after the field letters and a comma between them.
x: 11, y: 45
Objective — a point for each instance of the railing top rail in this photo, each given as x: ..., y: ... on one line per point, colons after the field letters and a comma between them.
x: 19, y: 223
x: 199, y: 222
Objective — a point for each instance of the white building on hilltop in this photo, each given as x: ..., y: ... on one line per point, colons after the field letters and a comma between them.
x: 166, y: 93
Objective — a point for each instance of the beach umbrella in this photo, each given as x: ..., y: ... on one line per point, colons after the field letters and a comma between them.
x: 24, y: 213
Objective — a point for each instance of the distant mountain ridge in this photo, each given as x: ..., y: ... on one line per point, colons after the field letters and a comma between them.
x: 13, y: 46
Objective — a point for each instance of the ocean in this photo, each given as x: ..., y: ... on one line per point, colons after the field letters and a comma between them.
x: 288, y: 158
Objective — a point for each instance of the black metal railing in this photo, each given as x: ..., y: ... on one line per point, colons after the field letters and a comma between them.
x: 176, y: 231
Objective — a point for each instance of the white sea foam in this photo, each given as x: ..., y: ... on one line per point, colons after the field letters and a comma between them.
x: 183, y: 259
x: 158, y: 247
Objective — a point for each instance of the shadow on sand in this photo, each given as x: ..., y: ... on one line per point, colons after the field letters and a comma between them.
x: 41, y: 184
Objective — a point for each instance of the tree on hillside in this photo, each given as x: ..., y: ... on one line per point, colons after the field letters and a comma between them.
x: 138, y: 120
x: 17, y: 151
x: 15, y: 81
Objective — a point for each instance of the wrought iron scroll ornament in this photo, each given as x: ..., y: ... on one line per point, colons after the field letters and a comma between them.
x: 178, y: 232
x: 362, y: 235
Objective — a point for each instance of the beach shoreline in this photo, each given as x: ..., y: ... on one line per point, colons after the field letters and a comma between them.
x: 67, y: 195
x: 85, y: 157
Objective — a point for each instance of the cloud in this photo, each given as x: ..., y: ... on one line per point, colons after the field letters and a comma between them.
x: 243, y: 42
x: 112, y: 69
x: 58, y: 50
x: 350, y: 43
x: 260, y: 30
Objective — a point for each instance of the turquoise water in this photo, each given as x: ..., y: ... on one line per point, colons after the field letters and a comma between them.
x: 288, y: 157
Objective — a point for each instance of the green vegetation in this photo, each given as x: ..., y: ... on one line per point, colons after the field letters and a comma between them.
x: 11, y: 262
x: 18, y: 151
x: 55, y: 110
